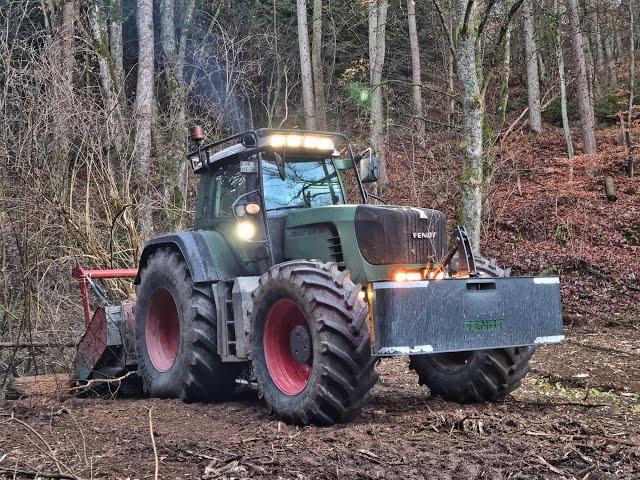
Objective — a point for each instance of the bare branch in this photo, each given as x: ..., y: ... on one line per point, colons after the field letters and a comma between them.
x: 444, y: 27
x: 496, y: 49
x: 485, y: 17
x: 467, y: 14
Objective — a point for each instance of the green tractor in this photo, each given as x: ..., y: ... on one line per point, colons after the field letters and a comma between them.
x: 283, y: 278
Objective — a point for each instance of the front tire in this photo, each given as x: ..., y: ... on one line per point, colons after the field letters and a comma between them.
x: 474, y: 376
x: 175, y: 334
x: 310, y: 345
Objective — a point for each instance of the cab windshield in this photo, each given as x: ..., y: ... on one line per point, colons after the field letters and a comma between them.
x: 306, y: 184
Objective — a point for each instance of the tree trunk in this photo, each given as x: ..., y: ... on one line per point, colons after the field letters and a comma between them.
x: 97, y: 23
x: 584, y: 98
x: 504, y: 82
x: 174, y: 167
x: 377, y: 11
x: 63, y: 87
x: 610, y: 189
x: 563, y: 89
x: 632, y: 86
x: 318, y: 67
x: 471, y: 178
x: 533, y: 81
x: 117, y: 51
x: 144, y: 113
x: 305, y: 66
x: 67, y: 29
x: 600, y: 69
x: 609, y: 46
x: 415, y: 65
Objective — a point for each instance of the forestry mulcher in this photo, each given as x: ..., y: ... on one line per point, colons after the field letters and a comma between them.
x: 282, y: 278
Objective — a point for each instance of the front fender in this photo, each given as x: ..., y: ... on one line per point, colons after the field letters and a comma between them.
x: 207, y: 255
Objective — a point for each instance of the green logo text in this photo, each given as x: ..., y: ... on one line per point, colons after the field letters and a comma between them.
x: 482, y: 324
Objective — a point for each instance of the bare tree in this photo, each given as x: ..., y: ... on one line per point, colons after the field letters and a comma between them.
x: 144, y: 107
x: 451, y: 74
x: 318, y: 67
x: 415, y: 66
x: 115, y: 43
x: 531, y: 53
x: 305, y: 67
x: 468, y: 19
x: 98, y: 25
x: 598, y: 47
x: 584, y: 97
x: 632, y: 86
x: 174, y: 44
x: 469, y: 22
x: 377, y: 11
x: 563, y: 88
x: 69, y: 17
x: 504, y: 83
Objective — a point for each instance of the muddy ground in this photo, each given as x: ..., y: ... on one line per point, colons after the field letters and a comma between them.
x: 576, y: 416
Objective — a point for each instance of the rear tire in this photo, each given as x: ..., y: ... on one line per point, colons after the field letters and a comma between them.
x: 310, y: 345
x: 474, y: 376
x: 176, y: 337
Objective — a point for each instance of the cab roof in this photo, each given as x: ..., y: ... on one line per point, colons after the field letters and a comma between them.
x: 252, y: 141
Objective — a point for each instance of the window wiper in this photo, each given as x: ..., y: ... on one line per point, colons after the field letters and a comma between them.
x: 286, y: 207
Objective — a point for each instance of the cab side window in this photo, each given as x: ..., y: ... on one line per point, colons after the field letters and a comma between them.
x: 218, y: 189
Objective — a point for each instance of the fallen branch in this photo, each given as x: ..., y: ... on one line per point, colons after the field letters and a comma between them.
x: 600, y: 348
x: 549, y: 466
x: 524, y: 112
x: 51, y: 453
x: 238, y: 458
x: 153, y: 443
x: 101, y: 381
x: 69, y: 344
x: 37, y: 474
x: 566, y: 404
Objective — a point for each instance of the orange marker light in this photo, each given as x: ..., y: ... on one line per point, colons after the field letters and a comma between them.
x: 252, y: 209
x: 407, y: 276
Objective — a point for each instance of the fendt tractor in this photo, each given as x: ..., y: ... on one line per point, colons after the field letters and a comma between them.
x: 285, y: 283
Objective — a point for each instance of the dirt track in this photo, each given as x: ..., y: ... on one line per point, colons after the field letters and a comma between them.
x: 573, y: 418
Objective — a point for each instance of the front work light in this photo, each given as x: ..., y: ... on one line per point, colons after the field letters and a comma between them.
x: 246, y: 230
x: 195, y: 161
x: 306, y: 142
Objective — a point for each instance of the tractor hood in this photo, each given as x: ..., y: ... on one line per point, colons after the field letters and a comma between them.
x: 369, y: 240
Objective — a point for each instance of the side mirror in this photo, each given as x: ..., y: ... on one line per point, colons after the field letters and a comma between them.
x: 279, y: 161
x: 369, y: 166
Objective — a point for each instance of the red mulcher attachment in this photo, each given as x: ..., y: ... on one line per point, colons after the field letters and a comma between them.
x: 107, y: 349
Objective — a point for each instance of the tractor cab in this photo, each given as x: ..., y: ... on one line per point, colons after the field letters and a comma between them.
x: 252, y: 182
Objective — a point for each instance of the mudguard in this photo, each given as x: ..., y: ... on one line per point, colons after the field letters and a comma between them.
x: 205, y: 264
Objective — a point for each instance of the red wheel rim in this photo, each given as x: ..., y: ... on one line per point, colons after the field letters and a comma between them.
x: 162, y: 333
x: 289, y: 375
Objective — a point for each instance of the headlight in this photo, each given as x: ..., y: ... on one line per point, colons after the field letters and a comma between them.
x: 246, y: 230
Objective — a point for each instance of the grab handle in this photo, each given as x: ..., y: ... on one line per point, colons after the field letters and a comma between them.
x: 481, y: 286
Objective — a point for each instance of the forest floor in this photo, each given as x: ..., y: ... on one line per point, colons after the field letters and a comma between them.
x: 577, y: 414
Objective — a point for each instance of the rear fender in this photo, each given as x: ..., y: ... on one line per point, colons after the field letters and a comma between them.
x: 206, y: 253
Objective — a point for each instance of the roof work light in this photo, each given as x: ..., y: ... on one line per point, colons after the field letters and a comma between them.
x: 298, y: 141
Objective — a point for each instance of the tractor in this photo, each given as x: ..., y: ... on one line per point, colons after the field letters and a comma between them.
x: 281, y: 277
